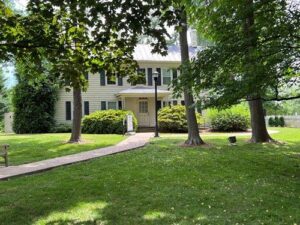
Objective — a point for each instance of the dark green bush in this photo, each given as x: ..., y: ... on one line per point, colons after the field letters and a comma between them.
x: 271, y: 122
x: 34, y: 107
x: 233, y: 119
x: 173, y: 119
x: 281, y: 122
x: 276, y: 121
x: 106, y: 122
x: 62, y: 128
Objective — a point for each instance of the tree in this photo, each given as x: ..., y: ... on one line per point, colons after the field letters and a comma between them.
x: 3, y: 96
x: 34, y: 98
x: 193, y: 130
x: 79, y: 37
x: 254, y: 56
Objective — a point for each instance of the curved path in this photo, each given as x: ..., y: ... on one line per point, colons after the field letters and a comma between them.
x: 136, y: 141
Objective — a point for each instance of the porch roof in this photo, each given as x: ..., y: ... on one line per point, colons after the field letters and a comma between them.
x: 142, y: 91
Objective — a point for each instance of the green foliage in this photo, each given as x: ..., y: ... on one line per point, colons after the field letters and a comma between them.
x: 62, y: 128
x: 33, y: 100
x: 276, y: 121
x: 4, y: 101
x: 173, y: 119
x: 106, y: 122
x: 254, y: 52
x: 236, y: 118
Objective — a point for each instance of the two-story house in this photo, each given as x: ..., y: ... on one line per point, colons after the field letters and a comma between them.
x: 109, y: 93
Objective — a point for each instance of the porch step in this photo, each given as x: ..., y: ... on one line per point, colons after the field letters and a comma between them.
x: 145, y: 129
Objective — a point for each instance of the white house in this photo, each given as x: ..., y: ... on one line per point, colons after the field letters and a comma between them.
x: 104, y: 93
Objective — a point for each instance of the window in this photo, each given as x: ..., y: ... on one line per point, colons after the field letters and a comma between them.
x: 143, y: 107
x: 68, y: 111
x: 142, y: 74
x: 86, y: 108
x: 111, y: 79
x: 167, y: 76
x: 111, y: 105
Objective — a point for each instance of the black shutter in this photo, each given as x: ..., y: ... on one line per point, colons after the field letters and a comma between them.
x: 182, y: 102
x: 68, y: 111
x: 158, y: 105
x: 174, y: 102
x: 86, y: 76
x: 103, y: 105
x: 150, y: 79
x: 86, y: 108
x: 164, y: 104
x: 159, y: 76
x: 120, y: 105
x: 102, y: 78
x: 120, y: 81
x: 174, y: 74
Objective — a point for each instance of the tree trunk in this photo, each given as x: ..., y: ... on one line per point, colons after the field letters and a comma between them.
x: 77, y: 116
x: 258, y: 123
x: 193, y: 130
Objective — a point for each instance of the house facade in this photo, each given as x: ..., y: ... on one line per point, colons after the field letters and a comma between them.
x: 108, y: 93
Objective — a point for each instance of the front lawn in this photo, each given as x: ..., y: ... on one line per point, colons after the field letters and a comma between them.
x: 35, y: 147
x: 163, y: 184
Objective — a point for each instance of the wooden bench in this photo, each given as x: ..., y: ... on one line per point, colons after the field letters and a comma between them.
x: 4, y: 153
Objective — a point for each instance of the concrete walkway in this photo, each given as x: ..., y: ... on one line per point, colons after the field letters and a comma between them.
x: 132, y: 142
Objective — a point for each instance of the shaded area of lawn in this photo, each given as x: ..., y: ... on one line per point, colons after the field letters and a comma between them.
x: 165, y: 184
x: 35, y: 147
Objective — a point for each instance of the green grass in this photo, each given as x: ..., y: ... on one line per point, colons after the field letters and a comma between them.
x: 164, y: 184
x: 35, y: 147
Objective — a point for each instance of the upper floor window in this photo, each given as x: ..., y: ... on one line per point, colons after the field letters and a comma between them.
x: 111, y: 80
x: 167, y: 76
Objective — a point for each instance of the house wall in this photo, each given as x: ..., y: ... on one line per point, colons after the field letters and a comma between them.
x: 97, y: 93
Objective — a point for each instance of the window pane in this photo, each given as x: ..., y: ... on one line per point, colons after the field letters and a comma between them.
x: 166, y: 76
x: 143, y: 107
x: 111, y: 79
x: 111, y: 105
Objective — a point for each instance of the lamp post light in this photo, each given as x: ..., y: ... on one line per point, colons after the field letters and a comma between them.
x: 155, y: 77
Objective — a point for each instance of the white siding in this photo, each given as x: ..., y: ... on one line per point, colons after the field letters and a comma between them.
x: 97, y: 93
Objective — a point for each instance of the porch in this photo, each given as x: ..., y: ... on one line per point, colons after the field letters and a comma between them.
x: 140, y: 100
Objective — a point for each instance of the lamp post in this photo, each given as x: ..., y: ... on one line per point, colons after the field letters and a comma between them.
x: 155, y: 77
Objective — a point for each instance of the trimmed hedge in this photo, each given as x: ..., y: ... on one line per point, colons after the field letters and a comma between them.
x: 236, y: 118
x: 276, y: 121
x: 173, y: 119
x: 106, y: 122
x: 62, y: 128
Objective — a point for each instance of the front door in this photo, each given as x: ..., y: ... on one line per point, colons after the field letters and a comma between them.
x: 143, y: 113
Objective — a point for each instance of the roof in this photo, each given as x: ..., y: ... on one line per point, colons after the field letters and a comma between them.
x: 143, y: 52
x: 142, y: 91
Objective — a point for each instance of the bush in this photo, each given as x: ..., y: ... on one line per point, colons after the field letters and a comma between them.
x: 236, y: 118
x: 281, y: 122
x: 173, y: 119
x: 271, y: 122
x: 276, y: 121
x: 62, y: 128
x: 34, y: 107
x: 106, y: 122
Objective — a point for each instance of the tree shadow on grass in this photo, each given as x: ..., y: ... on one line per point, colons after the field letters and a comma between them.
x: 157, y: 186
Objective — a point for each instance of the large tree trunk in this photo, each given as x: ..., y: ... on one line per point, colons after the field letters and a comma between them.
x: 193, y: 130
x: 258, y: 123
x: 77, y: 116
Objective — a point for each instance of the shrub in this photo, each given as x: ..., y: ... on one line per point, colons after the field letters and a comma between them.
x: 173, y: 119
x: 276, y: 121
x: 236, y: 118
x: 271, y: 122
x: 34, y: 107
x: 62, y: 128
x: 281, y: 122
x: 106, y: 122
